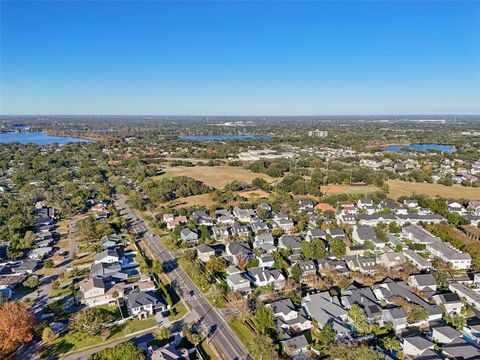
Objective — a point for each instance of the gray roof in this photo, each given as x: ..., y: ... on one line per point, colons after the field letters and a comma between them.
x: 203, y: 248
x: 448, y: 331
x: 419, y: 342
x: 425, y: 279
x: 460, y: 349
x: 140, y: 298
x: 296, y: 343
x: 366, y: 233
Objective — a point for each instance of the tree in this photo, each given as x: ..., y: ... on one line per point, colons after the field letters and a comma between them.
x: 49, y: 264
x: 241, y: 260
x: 16, y: 326
x: 318, y: 248
x: 216, y: 265
x: 296, y: 273
x: 124, y: 351
x: 416, y: 314
x: 32, y: 282
x: 306, y: 250
x: 264, y: 319
x: 238, y: 304
x: 354, y: 351
x: 390, y: 343
x: 48, y: 335
x: 262, y: 348
x: 359, y: 318
x: 90, y: 322
x: 157, y: 267
x: 163, y: 334
x: 324, y: 337
x: 338, y: 248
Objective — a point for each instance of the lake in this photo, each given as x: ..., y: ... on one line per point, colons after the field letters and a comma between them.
x: 38, y: 138
x: 222, y: 137
x: 422, y: 147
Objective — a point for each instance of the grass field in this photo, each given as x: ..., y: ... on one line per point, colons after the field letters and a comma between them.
x: 215, y: 176
x: 398, y: 188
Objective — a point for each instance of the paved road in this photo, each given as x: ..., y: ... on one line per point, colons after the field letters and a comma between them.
x: 225, y: 339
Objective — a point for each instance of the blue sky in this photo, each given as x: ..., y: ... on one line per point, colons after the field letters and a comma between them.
x: 240, y: 58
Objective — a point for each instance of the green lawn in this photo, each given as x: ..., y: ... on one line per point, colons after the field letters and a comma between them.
x: 177, y: 311
x: 243, y: 331
x: 206, y: 351
x: 70, y: 342
x: 200, y: 278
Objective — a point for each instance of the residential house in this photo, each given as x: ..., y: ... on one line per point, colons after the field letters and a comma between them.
x: 266, y: 261
x: 202, y: 218
x: 445, y: 334
x: 417, y: 235
x: 292, y: 242
x: 239, y: 282
x: 458, y: 259
x: 456, y: 207
x: 361, y: 203
x: 40, y: 253
x: 296, y: 345
x: 396, y: 316
x: 205, y: 252
x: 219, y: 233
x: 243, y: 215
x: 365, y: 265
x: 305, y: 206
x: 470, y: 296
x: 143, y: 304
x: 312, y: 234
x: 420, y: 262
x: 289, y: 320
x: 26, y: 266
x: 423, y: 282
x: 238, y: 250
x: 241, y: 231
x: 416, y: 345
x: 189, y: 236
x: 461, y: 349
x: 339, y: 266
x: 392, y: 259
x: 265, y: 277
x: 265, y: 242
x: 107, y: 256
x: 326, y: 309
x: 284, y: 223
x: 259, y: 227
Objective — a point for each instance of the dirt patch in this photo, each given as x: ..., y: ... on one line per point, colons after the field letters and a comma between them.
x: 331, y: 189
x: 254, y: 194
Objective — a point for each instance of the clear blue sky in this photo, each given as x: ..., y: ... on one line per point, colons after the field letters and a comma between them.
x: 239, y: 58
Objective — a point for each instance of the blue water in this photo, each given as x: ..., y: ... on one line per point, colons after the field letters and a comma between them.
x: 222, y: 137
x: 422, y: 147
x: 38, y: 138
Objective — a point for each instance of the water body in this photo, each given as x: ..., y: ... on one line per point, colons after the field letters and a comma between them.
x: 38, y: 138
x: 422, y: 147
x: 222, y: 137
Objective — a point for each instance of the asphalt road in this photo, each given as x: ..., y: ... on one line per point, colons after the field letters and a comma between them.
x: 225, y: 339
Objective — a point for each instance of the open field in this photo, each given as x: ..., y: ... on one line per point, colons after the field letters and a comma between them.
x: 215, y: 176
x: 341, y: 189
x: 398, y: 188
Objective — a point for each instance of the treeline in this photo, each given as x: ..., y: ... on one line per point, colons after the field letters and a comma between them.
x: 168, y: 189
